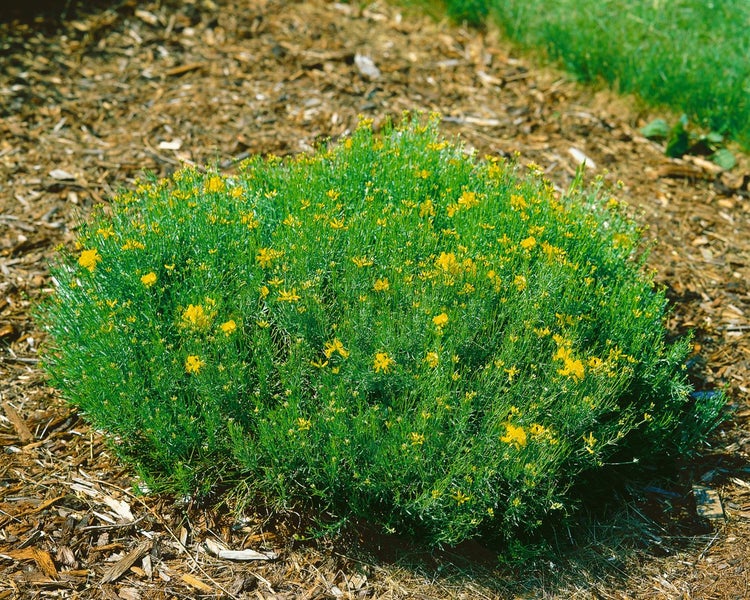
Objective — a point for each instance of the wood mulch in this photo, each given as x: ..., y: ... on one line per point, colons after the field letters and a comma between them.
x: 91, y: 99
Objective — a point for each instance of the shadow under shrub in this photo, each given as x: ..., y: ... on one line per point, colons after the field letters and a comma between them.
x: 388, y: 328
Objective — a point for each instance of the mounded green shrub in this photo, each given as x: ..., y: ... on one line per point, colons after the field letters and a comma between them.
x: 388, y: 328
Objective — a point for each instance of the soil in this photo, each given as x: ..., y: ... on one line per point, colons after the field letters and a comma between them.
x: 89, y: 99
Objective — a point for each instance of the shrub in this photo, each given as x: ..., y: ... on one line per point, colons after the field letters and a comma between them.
x: 388, y: 328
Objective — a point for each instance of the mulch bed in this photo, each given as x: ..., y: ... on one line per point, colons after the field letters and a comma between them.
x: 90, y: 101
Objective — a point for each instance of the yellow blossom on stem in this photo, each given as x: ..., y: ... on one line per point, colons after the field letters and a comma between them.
x: 89, y: 258
x: 460, y: 497
x: 288, y: 296
x: 228, y: 327
x: 448, y: 263
x: 468, y: 199
x: 520, y: 282
x: 426, y: 209
x: 590, y: 440
x: 215, y: 184
x: 528, y: 243
x: 382, y: 362
x: 381, y: 285
x: 514, y: 435
x: 440, y: 320
x: 362, y: 261
x: 416, y: 439
x: 149, y: 279
x: 195, y: 317
x: 133, y: 245
x: 266, y: 256
x: 432, y: 359
x: 193, y: 364
x: 303, y: 424
x: 335, y: 346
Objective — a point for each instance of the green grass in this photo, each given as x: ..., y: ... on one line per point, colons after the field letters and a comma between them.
x: 692, y: 56
x: 389, y: 329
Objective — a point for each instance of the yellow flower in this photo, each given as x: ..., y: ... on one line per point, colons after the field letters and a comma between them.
x: 228, y: 327
x: 133, y: 245
x: 440, y: 320
x: 195, y: 317
x: 381, y: 285
x: 303, y: 424
x: 512, y: 372
x: 572, y: 368
x: 590, y: 440
x: 448, y: 263
x: 460, y: 497
x: 287, y: 296
x: 249, y: 220
x: 520, y: 282
x: 89, y: 258
x: 193, y: 364
x: 291, y: 221
x: 149, y: 279
x: 215, y: 184
x: 426, y: 209
x: 515, y: 436
x: 528, y: 243
x: 335, y: 346
x: 382, y: 362
x: 432, y: 359
x: 468, y: 199
x: 266, y: 256
x: 362, y: 261
x: 416, y: 439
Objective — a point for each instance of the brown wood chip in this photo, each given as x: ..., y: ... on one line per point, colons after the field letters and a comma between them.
x: 24, y: 434
x: 121, y: 566
x: 42, y: 559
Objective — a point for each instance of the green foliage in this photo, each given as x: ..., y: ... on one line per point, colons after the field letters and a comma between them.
x: 388, y: 328
x: 472, y: 12
x: 690, y: 55
x: 680, y: 141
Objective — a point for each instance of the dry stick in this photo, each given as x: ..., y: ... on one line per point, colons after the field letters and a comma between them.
x: 174, y: 537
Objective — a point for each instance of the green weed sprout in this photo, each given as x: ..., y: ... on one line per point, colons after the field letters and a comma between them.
x: 388, y: 329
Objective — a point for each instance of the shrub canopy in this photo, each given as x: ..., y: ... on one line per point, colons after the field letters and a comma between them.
x: 388, y: 328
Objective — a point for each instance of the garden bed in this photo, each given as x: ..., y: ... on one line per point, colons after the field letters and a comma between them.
x: 89, y: 103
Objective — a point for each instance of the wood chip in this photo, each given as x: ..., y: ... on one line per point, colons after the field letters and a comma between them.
x: 193, y: 581
x: 708, y: 503
x: 42, y: 559
x: 182, y: 69
x: 23, y: 432
x: 123, y: 565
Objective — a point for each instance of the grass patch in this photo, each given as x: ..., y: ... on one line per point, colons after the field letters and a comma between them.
x: 389, y: 329
x: 689, y: 55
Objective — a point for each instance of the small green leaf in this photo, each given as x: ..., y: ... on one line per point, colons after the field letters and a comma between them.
x: 656, y: 129
x: 724, y: 158
x: 714, y: 137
